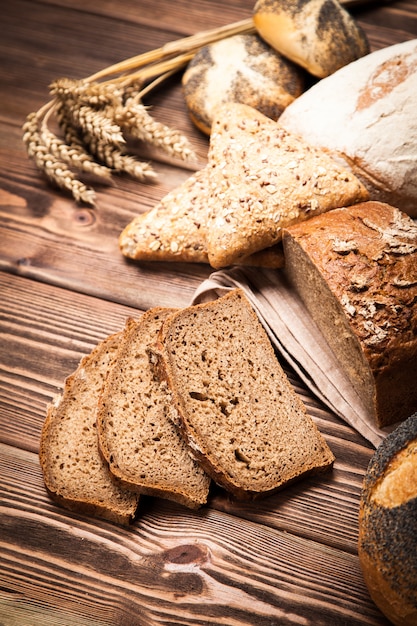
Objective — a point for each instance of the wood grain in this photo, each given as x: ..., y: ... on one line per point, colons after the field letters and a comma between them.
x: 173, y: 564
x: 288, y: 559
x: 43, y: 344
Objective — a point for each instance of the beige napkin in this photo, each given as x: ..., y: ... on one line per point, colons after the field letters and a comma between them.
x: 295, y: 335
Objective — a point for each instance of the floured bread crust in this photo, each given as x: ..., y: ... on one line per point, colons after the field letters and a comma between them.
x: 242, y: 68
x: 356, y: 270
x: 364, y: 115
x: 319, y: 35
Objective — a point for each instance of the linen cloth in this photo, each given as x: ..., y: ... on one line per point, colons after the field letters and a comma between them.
x: 294, y: 334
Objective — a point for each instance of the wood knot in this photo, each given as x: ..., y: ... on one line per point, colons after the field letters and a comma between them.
x: 186, y: 554
x: 85, y: 217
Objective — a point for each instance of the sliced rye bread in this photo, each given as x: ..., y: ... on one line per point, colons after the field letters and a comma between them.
x: 233, y: 402
x: 176, y: 229
x: 141, y: 445
x: 263, y: 178
x: 75, y: 474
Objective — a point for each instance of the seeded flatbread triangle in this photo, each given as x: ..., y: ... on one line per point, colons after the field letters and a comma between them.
x: 176, y: 229
x: 263, y: 178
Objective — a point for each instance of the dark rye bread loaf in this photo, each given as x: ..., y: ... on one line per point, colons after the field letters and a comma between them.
x: 75, y: 474
x: 356, y: 271
x: 142, y: 446
x: 233, y: 402
x: 387, y: 525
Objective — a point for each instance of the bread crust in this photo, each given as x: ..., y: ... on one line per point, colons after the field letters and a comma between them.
x: 175, y: 230
x: 387, y: 534
x: 319, y: 35
x: 364, y: 116
x: 313, y: 457
x: 69, y: 440
x: 365, y: 256
x: 244, y: 69
x: 263, y: 178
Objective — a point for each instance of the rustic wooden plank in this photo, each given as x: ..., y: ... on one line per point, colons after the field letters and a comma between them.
x: 171, y: 566
x: 45, y: 331
x: 46, y: 236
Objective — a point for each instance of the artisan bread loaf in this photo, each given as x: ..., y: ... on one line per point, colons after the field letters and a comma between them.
x: 241, y: 68
x: 355, y: 268
x: 364, y: 115
x: 319, y: 35
x: 141, y: 445
x: 387, y: 525
x: 74, y: 471
x: 176, y: 229
x: 263, y: 178
x: 233, y: 402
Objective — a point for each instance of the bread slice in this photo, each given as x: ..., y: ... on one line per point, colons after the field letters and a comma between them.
x: 176, y: 229
x: 75, y: 474
x: 264, y: 178
x: 142, y: 446
x: 355, y: 269
x: 233, y: 402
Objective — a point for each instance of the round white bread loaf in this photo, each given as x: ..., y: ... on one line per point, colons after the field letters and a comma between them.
x: 319, y: 35
x: 242, y: 69
x: 387, y: 525
x: 365, y: 115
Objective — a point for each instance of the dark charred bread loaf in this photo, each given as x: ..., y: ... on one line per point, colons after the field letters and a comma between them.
x: 388, y: 525
x: 355, y: 269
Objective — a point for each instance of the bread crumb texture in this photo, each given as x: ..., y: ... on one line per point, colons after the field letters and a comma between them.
x: 237, y: 409
x: 141, y: 445
x: 74, y: 472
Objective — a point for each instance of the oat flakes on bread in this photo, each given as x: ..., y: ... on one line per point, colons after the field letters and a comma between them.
x: 387, y: 525
x: 176, y: 229
x: 141, y: 445
x: 319, y: 35
x: 75, y: 474
x: 355, y: 269
x: 233, y: 402
x: 242, y: 68
x: 263, y: 178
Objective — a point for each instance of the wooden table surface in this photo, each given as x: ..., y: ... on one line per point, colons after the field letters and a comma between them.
x: 289, y: 559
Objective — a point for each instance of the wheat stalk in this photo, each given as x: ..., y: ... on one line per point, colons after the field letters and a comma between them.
x: 96, y: 112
